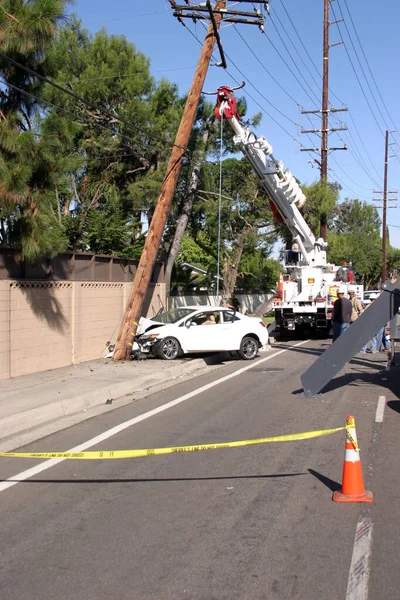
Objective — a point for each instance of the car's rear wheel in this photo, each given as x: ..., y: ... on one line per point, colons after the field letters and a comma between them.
x: 248, y: 348
x: 168, y: 349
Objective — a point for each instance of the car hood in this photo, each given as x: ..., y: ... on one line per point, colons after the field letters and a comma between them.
x: 147, y: 324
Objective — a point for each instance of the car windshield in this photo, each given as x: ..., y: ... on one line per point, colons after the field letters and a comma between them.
x: 172, y: 316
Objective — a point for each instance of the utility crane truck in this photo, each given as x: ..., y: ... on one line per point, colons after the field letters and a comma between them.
x: 307, y: 287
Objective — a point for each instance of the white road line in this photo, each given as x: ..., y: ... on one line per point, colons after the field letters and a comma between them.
x: 357, y: 588
x: 380, y: 409
x: 118, y: 428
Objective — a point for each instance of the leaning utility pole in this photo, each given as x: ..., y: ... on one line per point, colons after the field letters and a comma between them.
x: 386, y: 195
x: 324, y: 131
x: 141, y: 282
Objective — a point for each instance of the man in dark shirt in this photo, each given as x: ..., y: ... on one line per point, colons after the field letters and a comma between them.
x: 341, y: 315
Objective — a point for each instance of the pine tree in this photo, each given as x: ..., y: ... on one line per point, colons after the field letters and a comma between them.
x: 29, y: 170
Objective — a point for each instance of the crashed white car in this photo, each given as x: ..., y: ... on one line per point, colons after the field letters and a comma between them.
x: 201, y: 329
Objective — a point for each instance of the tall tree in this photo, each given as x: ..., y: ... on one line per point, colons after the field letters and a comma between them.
x: 322, y: 198
x: 354, y: 234
x: 243, y: 217
x: 122, y: 136
x: 29, y: 174
x: 205, y: 142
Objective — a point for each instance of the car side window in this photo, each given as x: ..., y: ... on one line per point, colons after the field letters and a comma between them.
x: 230, y: 316
x: 206, y: 318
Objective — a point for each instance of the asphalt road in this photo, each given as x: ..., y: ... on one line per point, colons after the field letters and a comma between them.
x: 250, y: 523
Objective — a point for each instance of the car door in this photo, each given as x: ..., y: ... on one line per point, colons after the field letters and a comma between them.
x: 232, y: 329
x: 206, y: 333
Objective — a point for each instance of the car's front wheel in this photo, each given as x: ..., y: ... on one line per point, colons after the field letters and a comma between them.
x: 168, y: 349
x: 248, y: 348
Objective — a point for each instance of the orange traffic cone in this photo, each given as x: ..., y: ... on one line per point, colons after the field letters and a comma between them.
x: 352, y: 481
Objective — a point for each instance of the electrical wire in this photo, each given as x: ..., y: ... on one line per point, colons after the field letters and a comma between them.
x: 157, y: 12
x: 253, y: 86
x: 296, y: 50
x: 294, y: 75
x: 265, y: 68
x: 306, y: 51
x: 87, y: 102
x: 357, y: 77
x: 262, y: 96
x: 121, y: 75
x: 361, y: 67
x: 294, y: 62
x: 258, y: 91
x: 354, y: 194
x: 77, y: 122
x: 258, y: 104
x: 348, y: 176
x: 369, y: 68
x: 367, y: 171
x: 361, y: 154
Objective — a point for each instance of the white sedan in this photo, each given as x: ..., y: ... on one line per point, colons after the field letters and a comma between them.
x: 201, y: 329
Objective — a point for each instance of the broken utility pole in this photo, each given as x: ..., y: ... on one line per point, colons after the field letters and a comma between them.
x: 141, y: 282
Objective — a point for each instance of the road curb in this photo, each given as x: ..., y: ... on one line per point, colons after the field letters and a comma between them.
x: 29, y: 425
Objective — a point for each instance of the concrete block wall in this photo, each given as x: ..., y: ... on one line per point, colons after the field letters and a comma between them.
x: 98, y: 310
x: 49, y: 324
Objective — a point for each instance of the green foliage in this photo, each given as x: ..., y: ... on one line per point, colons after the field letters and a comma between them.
x: 354, y: 234
x: 257, y: 272
x: 30, y: 165
x: 321, y: 201
x: 195, y: 252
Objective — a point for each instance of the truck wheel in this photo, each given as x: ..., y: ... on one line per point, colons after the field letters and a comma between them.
x: 248, y: 348
x: 168, y: 349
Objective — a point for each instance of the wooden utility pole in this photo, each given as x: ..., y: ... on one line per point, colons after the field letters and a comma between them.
x: 143, y: 274
x: 325, y: 110
x: 325, y: 120
x: 383, y: 197
x: 384, y: 235
x: 325, y: 75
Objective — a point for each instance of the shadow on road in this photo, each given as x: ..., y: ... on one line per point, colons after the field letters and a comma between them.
x: 360, y: 378
x: 330, y: 483
x: 157, y: 480
x: 394, y: 405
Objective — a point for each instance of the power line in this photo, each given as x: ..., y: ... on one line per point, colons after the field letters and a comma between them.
x: 255, y: 88
x: 357, y: 77
x: 120, y: 75
x: 295, y: 49
x: 361, y: 154
x: 361, y: 67
x: 258, y: 104
x: 86, y: 102
x: 347, y: 187
x: 68, y: 113
x: 265, y: 69
x: 369, y: 68
x: 306, y: 51
x: 281, y: 57
x: 150, y: 14
x: 348, y: 176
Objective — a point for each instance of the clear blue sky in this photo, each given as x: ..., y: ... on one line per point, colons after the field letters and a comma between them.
x: 370, y: 32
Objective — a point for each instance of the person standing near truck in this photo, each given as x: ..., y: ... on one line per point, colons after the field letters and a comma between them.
x: 356, y: 306
x: 341, y: 314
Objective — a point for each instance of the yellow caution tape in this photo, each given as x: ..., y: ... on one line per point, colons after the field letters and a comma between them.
x: 112, y: 454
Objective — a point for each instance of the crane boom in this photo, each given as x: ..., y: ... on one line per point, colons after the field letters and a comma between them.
x: 282, y: 189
